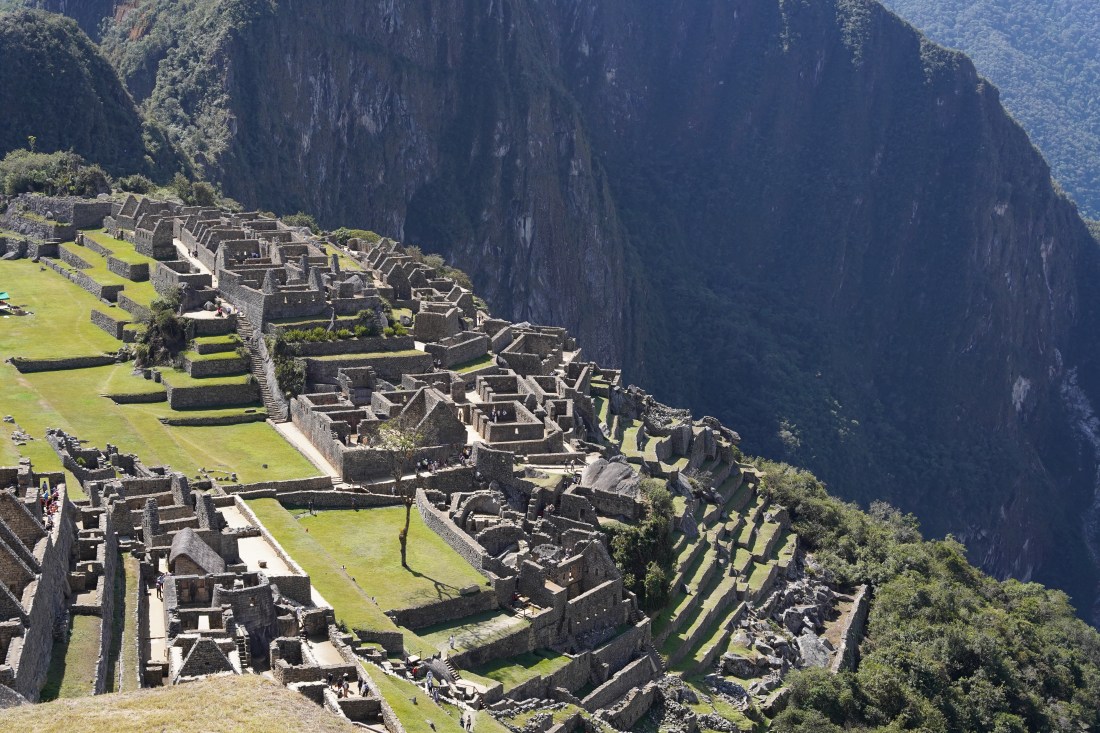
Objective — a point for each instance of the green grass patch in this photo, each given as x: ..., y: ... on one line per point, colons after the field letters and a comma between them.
x: 405, y: 354
x: 351, y: 602
x: 472, y: 631
x: 516, y: 670
x: 216, y: 356
x: 183, y: 379
x: 474, y: 364
x: 119, y: 249
x: 229, y: 338
x: 61, y: 323
x: 422, y: 716
x: 74, y: 660
x: 97, y: 269
x: 716, y: 705
x: 71, y: 400
x: 366, y: 542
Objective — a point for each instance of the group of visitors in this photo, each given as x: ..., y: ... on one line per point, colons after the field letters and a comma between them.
x: 49, y: 501
x: 342, y: 685
x: 497, y: 414
x: 160, y: 585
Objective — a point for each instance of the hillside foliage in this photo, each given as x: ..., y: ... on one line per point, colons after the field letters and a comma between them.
x: 52, y: 74
x: 948, y: 647
x: 1044, y: 55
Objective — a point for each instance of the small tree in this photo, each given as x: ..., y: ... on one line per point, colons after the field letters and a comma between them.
x: 401, y: 446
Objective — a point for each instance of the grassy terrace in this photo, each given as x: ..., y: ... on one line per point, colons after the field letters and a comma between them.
x: 183, y: 379
x: 366, y: 542
x: 216, y: 356
x: 475, y: 364
x: 72, y: 400
x: 213, y: 705
x: 406, y: 354
x: 519, y: 669
x: 140, y: 292
x: 73, y: 662
x: 229, y: 338
x: 472, y: 631
x: 118, y: 248
x: 423, y: 715
x: 351, y: 602
x: 60, y: 324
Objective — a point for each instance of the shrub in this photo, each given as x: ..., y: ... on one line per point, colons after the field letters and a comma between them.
x: 136, y: 183
x: 302, y: 219
x: 65, y: 174
x: 343, y: 234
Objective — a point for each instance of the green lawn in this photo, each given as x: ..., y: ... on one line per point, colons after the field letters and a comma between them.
x: 472, y: 631
x: 73, y: 662
x: 473, y: 365
x: 60, y: 324
x: 183, y: 379
x: 514, y: 671
x: 406, y: 354
x: 351, y: 603
x: 423, y: 715
x: 216, y: 356
x: 71, y: 400
x: 98, y: 270
x: 121, y: 250
x: 366, y: 542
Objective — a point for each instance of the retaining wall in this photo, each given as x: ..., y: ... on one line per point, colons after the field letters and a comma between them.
x: 847, y: 654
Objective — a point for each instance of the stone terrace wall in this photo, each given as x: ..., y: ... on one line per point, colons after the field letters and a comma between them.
x: 633, y: 675
x: 26, y: 366
x: 107, y: 599
x: 133, y: 271
x: 450, y: 532
x: 847, y: 654
x: 211, y: 396
x: 47, y: 604
x: 109, y: 323
x: 103, y: 292
x: 429, y: 614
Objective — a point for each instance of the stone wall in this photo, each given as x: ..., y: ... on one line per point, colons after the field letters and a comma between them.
x: 211, y: 396
x: 109, y: 323
x: 131, y: 306
x: 385, y: 366
x: 633, y: 675
x: 103, y: 292
x: 47, y: 604
x: 202, y: 368
x: 26, y: 366
x: 420, y: 617
x: 108, y: 551
x: 450, y: 533
x: 317, y: 484
x: 847, y: 653
x: 295, y: 587
x: 133, y: 271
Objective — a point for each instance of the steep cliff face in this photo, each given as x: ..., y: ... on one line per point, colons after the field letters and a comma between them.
x: 864, y: 252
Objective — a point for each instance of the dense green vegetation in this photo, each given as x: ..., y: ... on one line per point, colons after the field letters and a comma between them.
x: 51, y: 74
x: 643, y: 550
x: 947, y: 648
x: 1044, y: 55
x: 65, y: 174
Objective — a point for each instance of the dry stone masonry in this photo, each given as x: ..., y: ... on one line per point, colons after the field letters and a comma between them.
x: 522, y: 452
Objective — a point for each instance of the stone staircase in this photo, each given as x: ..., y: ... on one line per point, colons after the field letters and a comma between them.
x: 275, y: 409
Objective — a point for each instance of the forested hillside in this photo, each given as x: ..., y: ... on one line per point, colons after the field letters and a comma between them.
x: 58, y: 93
x: 1044, y: 56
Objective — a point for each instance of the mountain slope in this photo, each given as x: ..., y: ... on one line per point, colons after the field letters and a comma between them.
x: 862, y: 250
x: 1045, y: 57
x: 58, y: 88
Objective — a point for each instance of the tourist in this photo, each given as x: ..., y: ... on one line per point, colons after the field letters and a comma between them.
x: 451, y: 641
x: 160, y: 587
